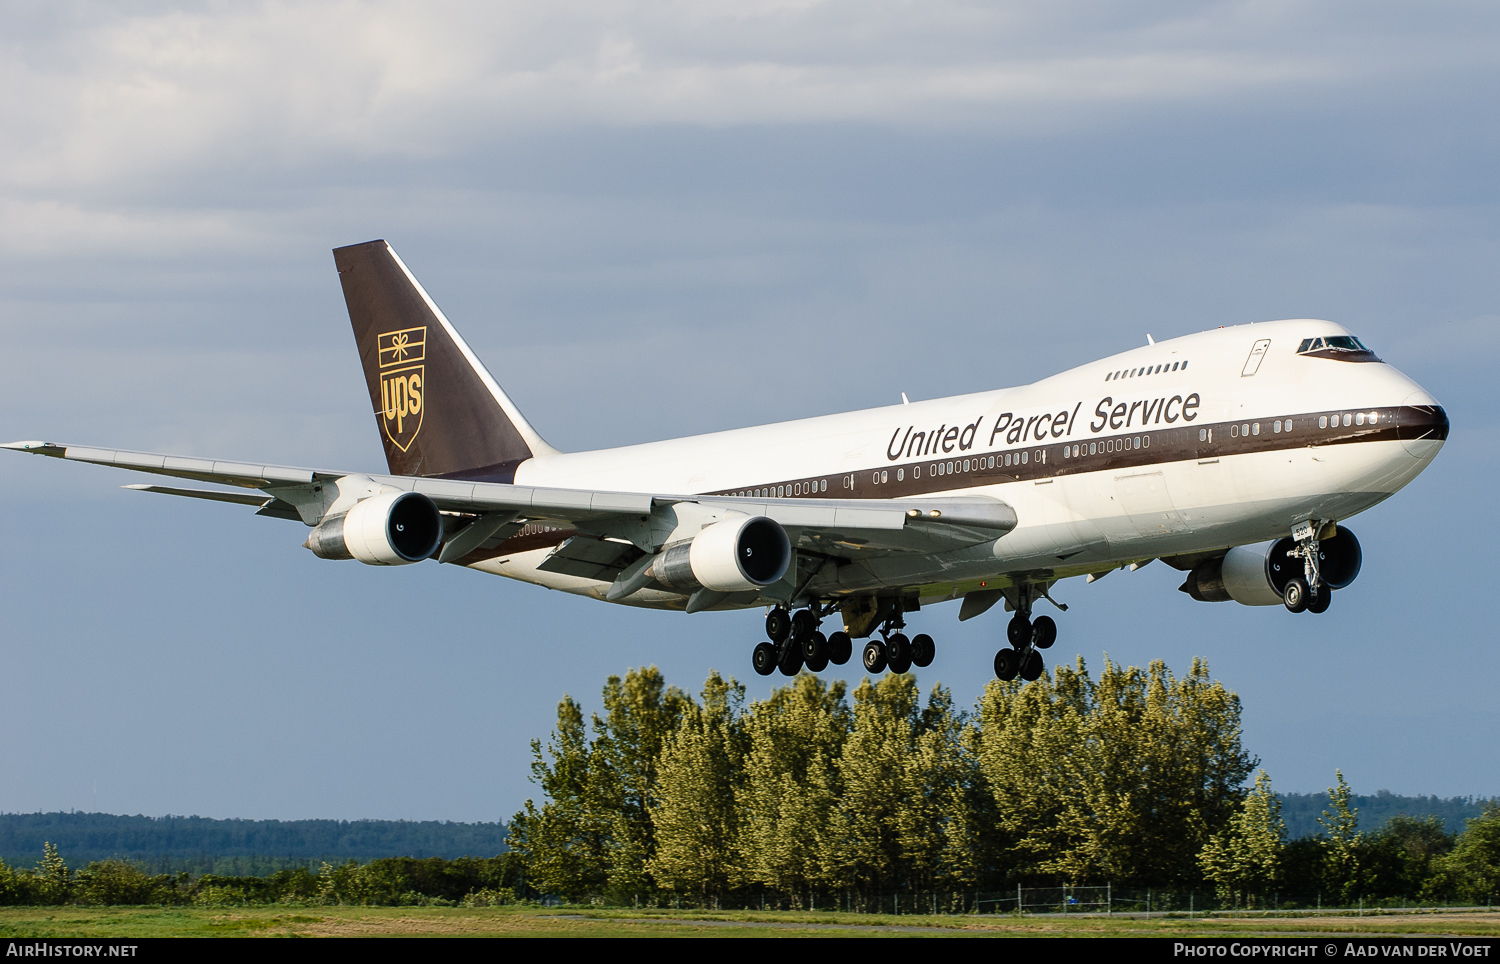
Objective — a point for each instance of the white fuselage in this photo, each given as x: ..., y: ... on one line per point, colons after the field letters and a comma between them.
x: 1162, y: 468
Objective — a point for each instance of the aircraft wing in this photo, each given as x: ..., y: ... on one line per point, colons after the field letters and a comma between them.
x: 846, y: 528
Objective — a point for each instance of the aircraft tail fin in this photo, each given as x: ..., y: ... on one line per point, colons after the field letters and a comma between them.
x: 439, y: 411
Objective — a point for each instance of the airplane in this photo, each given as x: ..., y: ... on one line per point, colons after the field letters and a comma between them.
x: 1231, y: 455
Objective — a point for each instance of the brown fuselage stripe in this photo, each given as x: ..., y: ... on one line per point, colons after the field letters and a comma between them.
x: 1176, y: 444
x: 1155, y: 446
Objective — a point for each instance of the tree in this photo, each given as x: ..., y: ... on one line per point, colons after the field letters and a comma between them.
x: 695, y: 816
x: 593, y: 833
x: 1472, y: 870
x: 53, y: 879
x: 1124, y: 779
x: 1343, y: 843
x: 791, y: 784
x: 1244, y: 859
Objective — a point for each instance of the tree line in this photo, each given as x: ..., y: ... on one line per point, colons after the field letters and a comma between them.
x: 881, y: 798
x: 817, y: 796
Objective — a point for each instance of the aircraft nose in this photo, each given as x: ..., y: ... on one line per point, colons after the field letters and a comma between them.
x: 1421, y: 425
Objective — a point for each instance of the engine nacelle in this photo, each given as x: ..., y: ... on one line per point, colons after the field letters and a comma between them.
x: 733, y: 555
x: 1257, y: 575
x: 394, y: 529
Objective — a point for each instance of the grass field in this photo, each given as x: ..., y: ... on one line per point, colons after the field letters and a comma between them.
x: 127, y: 922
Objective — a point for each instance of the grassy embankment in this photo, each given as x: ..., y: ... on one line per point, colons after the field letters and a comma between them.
x: 128, y: 922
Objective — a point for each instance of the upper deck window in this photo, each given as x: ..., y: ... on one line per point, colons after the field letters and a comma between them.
x: 1338, y: 348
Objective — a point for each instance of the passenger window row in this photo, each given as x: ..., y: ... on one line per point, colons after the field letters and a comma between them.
x: 1145, y: 370
x: 1109, y: 445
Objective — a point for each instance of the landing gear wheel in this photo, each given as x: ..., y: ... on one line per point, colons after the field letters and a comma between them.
x: 1321, y: 599
x: 791, y: 660
x: 923, y: 649
x: 815, y: 653
x: 778, y: 625
x: 1031, y: 666
x: 804, y: 624
x: 1043, y: 632
x: 898, y: 653
x: 1018, y: 631
x: 840, y: 648
x: 764, y: 659
x: 874, y: 656
x: 1007, y: 664
x: 1296, y: 595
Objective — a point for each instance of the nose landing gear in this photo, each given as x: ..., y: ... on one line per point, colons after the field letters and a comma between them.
x: 1309, y: 592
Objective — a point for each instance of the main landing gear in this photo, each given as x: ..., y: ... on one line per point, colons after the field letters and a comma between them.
x: 796, y: 642
x: 894, y: 651
x: 1026, y: 637
x: 1308, y: 592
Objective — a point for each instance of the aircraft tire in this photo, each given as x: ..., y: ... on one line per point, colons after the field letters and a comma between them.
x: 874, y: 656
x: 840, y: 648
x: 1007, y: 664
x: 814, y: 649
x: 1032, y: 666
x: 1018, y: 630
x: 816, y: 665
x: 764, y: 659
x: 804, y: 624
x: 1296, y: 595
x: 1043, y: 632
x: 778, y: 625
x: 791, y: 661
x: 1321, y: 599
x: 898, y: 651
x: 923, y: 649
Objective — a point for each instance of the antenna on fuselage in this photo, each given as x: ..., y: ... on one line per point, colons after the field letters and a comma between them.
x: 904, y: 399
x: 1149, y: 339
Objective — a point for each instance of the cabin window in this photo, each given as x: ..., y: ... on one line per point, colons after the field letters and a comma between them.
x: 1023, y: 458
x: 1359, y: 418
x: 1234, y: 431
x: 1203, y: 435
x: 1347, y: 419
x: 1322, y: 421
x: 1255, y: 429
x: 900, y: 474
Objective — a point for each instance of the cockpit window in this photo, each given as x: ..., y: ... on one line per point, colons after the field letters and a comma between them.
x: 1337, y: 347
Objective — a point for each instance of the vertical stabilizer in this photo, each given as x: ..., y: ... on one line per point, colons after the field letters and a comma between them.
x: 439, y: 412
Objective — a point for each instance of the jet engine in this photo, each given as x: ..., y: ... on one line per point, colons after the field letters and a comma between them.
x: 394, y: 529
x: 733, y: 555
x: 1256, y: 575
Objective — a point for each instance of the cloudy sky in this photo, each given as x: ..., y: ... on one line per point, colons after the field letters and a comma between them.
x: 660, y: 219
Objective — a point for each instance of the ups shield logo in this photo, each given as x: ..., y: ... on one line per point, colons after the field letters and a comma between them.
x: 401, y: 385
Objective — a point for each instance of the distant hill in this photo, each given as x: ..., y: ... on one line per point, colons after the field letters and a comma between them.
x: 203, y: 844
x: 1301, y: 810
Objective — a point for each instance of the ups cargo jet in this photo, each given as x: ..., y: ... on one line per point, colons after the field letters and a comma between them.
x: 1231, y: 455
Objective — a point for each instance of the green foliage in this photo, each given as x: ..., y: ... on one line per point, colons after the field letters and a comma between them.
x: 791, y: 784
x: 1472, y: 870
x: 1124, y: 779
x: 1343, y: 844
x: 1244, y: 859
x: 694, y: 816
x: 594, y: 835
